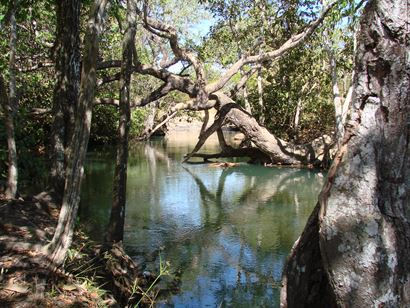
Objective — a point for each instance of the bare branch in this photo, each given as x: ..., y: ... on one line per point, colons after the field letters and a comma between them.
x: 157, y: 94
x: 243, y: 81
x: 109, y: 64
x: 35, y: 67
x: 108, y: 79
x: 115, y: 102
x: 165, y: 121
x: 192, y: 105
x: 164, y: 30
x: 206, y: 120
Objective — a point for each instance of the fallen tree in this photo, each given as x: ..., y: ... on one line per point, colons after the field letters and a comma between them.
x: 205, y: 95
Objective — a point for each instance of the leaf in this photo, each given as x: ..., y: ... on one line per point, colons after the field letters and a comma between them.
x: 69, y: 287
x: 16, y: 288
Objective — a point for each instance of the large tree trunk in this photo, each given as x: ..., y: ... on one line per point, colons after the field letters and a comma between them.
x: 355, y: 246
x: 116, y: 225
x: 10, y: 107
x: 78, y: 147
x: 66, y: 91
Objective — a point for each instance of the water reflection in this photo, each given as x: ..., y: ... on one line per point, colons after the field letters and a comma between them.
x: 226, y: 230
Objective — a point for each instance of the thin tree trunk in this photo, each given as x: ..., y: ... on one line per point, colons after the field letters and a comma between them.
x: 260, y: 97
x: 205, y: 121
x: 66, y: 91
x: 62, y: 239
x: 116, y: 225
x: 337, y: 99
x: 149, y: 121
x: 246, y: 100
x: 10, y: 108
x: 262, y: 7
x: 299, y: 108
x: 11, y: 187
x: 354, y: 250
x: 297, y: 119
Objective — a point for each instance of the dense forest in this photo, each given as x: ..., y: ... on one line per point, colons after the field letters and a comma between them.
x: 308, y: 84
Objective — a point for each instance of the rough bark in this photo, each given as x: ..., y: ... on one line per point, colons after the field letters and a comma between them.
x: 116, y: 225
x: 62, y: 239
x: 66, y: 90
x: 359, y: 232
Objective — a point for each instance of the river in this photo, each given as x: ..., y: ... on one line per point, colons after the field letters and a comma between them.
x: 226, y: 232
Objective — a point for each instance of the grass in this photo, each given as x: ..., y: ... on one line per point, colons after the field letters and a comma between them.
x: 164, y: 269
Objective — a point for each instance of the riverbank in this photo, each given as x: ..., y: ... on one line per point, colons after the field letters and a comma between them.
x: 90, y: 277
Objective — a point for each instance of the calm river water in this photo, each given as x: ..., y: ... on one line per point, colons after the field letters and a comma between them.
x: 226, y: 232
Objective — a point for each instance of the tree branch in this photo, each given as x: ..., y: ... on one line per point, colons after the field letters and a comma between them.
x: 269, y: 56
x: 167, y: 31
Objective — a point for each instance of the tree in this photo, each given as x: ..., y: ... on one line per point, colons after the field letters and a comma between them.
x: 116, y: 225
x: 66, y: 91
x: 57, y: 248
x: 206, y: 95
x: 354, y: 249
x: 9, y: 103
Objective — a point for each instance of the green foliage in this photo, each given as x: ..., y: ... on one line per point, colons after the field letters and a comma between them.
x: 34, y: 87
x: 303, y: 75
x: 239, y: 27
x: 104, y: 125
x: 299, y: 76
x: 138, y: 116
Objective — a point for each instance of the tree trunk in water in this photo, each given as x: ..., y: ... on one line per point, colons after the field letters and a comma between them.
x: 66, y: 91
x: 355, y: 246
x: 116, y: 225
x: 276, y: 150
x: 10, y: 108
x: 61, y: 241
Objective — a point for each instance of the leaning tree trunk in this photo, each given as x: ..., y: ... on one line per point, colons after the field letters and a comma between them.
x: 354, y: 250
x: 61, y: 241
x: 268, y: 147
x: 116, y: 225
x: 66, y: 91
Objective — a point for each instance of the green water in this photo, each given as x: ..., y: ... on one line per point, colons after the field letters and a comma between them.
x: 227, y: 232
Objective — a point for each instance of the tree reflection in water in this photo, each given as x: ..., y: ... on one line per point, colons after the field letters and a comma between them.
x: 227, y: 230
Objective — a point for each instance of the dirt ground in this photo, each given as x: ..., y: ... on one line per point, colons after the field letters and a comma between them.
x: 89, y: 277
